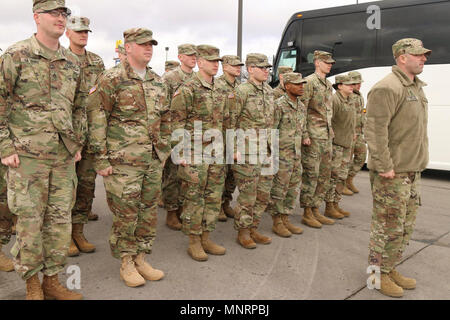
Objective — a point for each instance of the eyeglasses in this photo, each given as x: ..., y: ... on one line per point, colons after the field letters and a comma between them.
x: 57, y: 13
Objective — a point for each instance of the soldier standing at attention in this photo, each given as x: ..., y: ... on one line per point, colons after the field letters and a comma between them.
x: 187, y: 55
x: 199, y: 100
x: 280, y: 90
x: 290, y: 118
x: 359, y: 153
x: 129, y: 133
x: 396, y: 133
x: 317, y: 140
x: 91, y: 66
x: 40, y: 141
x: 228, y: 82
x: 343, y: 122
x: 170, y: 65
x: 253, y: 109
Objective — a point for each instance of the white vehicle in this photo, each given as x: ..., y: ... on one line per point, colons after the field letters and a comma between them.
x: 361, y: 37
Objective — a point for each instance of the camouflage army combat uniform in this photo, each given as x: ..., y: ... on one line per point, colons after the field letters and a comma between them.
x: 253, y: 109
x: 129, y: 130
x: 396, y: 133
x: 91, y: 67
x: 343, y: 123
x: 316, y: 158
x: 6, y: 221
x: 289, y: 119
x: 280, y: 90
x: 171, y: 185
x: 170, y: 65
x: 46, y: 126
x: 359, y: 152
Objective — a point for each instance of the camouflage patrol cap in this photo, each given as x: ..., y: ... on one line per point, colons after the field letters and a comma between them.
x: 284, y: 69
x: 187, y: 49
x: 78, y: 24
x: 208, y: 52
x: 121, y: 49
x: 171, y: 64
x: 409, y: 45
x: 342, y: 79
x: 257, y: 60
x: 139, y: 35
x: 356, y: 77
x: 232, y: 60
x: 50, y: 5
x: 293, y: 77
x: 324, y: 56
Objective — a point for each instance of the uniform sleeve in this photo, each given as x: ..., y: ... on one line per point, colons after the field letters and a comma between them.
x: 165, y: 125
x: 277, y: 114
x: 306, y: 97
x: 180, y: 107
x: 99, y: 106
x: 380, y: 110
x: 79, y: 116
x: 9, y: 72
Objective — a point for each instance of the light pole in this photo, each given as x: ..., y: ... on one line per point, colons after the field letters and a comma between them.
x: 239, y: 35
x: 167, y: 52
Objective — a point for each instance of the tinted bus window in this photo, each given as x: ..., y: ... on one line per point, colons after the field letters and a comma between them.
x: 346, y: 36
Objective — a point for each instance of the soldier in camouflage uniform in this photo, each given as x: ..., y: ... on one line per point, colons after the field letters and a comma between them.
x: 317, y: 140
x: 170, y: 65
x: 91, y: 67
x: 253, y: 109
x: 280, y: 90
x: 343, y: 123
x: 228, y: 82
x: 359, y: 152
x: 396, y: 133
x: 6, y: 222
x: 129, y: 130
x: 202, y: 182
x: 187, y: 55
x: 290, y: 118
x: 42, y: 92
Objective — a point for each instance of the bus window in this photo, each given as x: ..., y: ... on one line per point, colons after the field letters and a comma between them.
x: 288, y: 58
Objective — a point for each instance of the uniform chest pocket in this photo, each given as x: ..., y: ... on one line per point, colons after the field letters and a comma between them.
x: 63, y: 79
x: 126, y: 104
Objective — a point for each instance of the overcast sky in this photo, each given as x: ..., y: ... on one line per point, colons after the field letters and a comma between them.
x: 173, y: 22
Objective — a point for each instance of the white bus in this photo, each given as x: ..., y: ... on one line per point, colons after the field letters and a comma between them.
x: 351, y: 33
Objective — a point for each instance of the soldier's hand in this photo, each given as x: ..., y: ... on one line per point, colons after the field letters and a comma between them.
x: 78, y: 156
x: 11, y: 161
x: 105, y: 172
x: 388, y: 175
x: 306, y: 142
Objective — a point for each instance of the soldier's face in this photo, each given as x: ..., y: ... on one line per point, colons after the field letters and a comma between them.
x: 209, y: 67
x: 324, y: 67
x: 260, y: 74
x: 53, y: 27
x: 295, y: 89
x: 141, y: 52
x: 414, y: 63
x: 234, y: 71
x: 188, y: 61
x: 346, y: 89
x: 78, y: 38
x: 357, y: 86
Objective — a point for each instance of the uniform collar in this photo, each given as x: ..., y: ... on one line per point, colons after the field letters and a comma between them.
x: 232, y: 84
x: 37, y: 50
x: 259, y: 87
x: 132, y: 75
x: 204, y: 83
x: 290, y: 102
x: 405, y: 80
x: 341, y: 97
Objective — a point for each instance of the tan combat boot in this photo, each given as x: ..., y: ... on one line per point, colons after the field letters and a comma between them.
x: 53, y: 290
x: 222, y: 216
x: 245, y: 240
x: 146, y: 270
x: 340, y: 210
x: 350, y: 185
x: 73, y: 250
x: 92, y: 216
x: 259, y: 238
x: 34, y: 289
x: 389, y: 288
x: 331, y: 212
x: 346, y: 191
x: 322, y: 219
x: 309, y: 220
x: 129, y: 274
x: 293, y: 229
x: 229, y: 211
x: 279, y: 228
x: 209, y: 246
x: 404, y: 282
x: 79, y: 239
x: 6, y: 264
x: 172, y: 220
x: 195, y: 249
